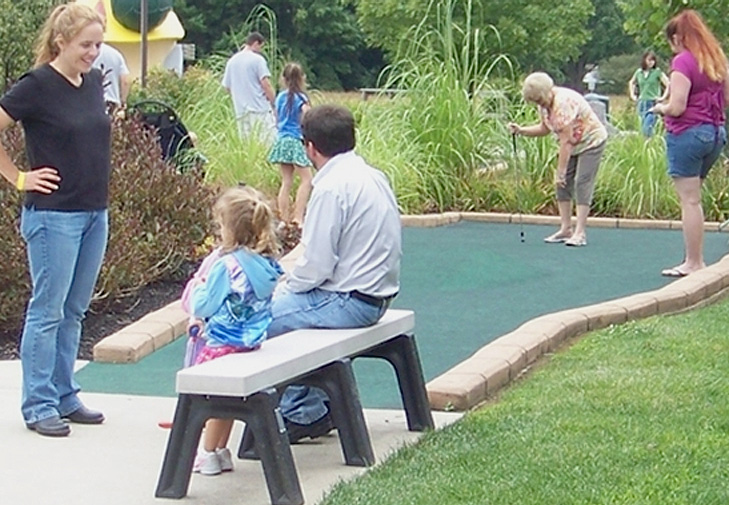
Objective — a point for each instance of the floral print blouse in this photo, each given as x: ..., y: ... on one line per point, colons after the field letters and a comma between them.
x: 570, y: 108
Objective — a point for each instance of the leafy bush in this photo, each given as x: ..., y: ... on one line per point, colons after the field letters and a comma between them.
x: 14, y: 264
x: 158, y: 218
x: 166, y: 86
x: 19, y: 24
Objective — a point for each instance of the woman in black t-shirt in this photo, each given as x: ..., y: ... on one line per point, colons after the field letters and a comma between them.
x: 64, y: 219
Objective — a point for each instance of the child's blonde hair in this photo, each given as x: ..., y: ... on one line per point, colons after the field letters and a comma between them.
x: 248, y: 220
x: 66, y: 21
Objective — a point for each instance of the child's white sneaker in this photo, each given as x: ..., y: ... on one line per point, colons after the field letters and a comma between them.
x: 207, y: 463
x: 225, y: 459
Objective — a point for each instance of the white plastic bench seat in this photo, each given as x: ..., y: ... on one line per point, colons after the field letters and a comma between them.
x: 245, y: 386
x: 288, y: 356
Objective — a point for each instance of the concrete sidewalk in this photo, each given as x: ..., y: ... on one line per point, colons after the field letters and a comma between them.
x: 118, y: 462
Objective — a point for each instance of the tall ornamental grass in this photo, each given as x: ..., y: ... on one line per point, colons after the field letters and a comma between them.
x: 632, y: 180
x: 435, y: 130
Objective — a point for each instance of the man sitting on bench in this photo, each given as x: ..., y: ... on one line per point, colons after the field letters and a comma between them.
x: 349, y: 269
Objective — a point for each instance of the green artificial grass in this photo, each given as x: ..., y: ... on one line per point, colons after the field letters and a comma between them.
x: 633, y: 414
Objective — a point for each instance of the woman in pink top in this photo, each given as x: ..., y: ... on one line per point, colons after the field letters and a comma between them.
x: 581, y: 138
x: 694, y: 117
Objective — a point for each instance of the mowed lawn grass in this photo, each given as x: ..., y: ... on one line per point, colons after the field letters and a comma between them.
x: 633, y: 414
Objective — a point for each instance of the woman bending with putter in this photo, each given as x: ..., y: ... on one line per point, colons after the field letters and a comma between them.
x: 581, y: 138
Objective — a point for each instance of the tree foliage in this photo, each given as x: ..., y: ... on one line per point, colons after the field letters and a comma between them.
x: 606, y: 38
x: 20, y: 21
x: 323, y: 35
x: 536, y: 34
x: 645, y: 19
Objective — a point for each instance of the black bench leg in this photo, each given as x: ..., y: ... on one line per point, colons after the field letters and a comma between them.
x: 187, y: 426
x: 402, y: 353
x: 337, y: 380
x: 272, y: 444
x: 247, y: 447
x: 261, y: 413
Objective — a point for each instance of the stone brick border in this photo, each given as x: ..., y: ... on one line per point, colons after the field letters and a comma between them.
x: 499, y: 362
x: 144, y: 336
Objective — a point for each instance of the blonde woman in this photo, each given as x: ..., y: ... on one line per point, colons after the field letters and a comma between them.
x: 581, y: 137
x: 694, y: 118
x: 64, y: 221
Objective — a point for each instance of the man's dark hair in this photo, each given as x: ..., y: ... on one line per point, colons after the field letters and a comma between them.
x: 330, y: 128
x: 254, y: 37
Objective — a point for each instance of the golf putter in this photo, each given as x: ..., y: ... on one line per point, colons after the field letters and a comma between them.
x: 518, y: 183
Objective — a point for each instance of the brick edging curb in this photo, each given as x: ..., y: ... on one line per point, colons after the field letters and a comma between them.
x: 144, y: 336
x: 496, y: 364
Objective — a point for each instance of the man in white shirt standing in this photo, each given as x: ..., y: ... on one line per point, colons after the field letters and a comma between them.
x: 349, y: 270
x: 116, y: 75
x: 248, y: 80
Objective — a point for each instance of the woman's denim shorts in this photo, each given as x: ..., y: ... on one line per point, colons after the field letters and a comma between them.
x: 692, y: 152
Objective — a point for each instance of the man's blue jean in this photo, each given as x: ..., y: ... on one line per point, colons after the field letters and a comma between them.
x: 316, y: 309
x: 65, y: 251
x: 647, y: 117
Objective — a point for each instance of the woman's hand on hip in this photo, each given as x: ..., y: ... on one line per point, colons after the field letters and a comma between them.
x: 43, y: 180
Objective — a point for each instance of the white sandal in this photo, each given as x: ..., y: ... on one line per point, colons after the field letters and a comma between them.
x: 576, y: 241
x: 557, y: 238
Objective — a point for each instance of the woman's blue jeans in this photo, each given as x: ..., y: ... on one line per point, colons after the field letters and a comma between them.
x: 647, y: 118
x: 315, y: 309
x: 65, y: 251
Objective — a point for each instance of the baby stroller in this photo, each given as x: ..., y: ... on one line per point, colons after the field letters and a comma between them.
x: 174, y: 138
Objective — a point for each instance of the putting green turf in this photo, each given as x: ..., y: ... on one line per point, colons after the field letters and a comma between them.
x: 469, y: 283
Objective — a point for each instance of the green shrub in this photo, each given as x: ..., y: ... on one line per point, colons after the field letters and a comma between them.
x: 166, y: 86
x: 158, y: 218
x: 14, y: 265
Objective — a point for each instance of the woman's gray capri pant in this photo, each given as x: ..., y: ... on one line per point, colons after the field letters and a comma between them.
x: 581, y: 176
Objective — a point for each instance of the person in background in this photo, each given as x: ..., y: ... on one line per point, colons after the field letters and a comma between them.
x: 694, y: 118
x: 349, y: 270
x: 648, y: 85
x: 64, y: 219
x: 592, y: 78
x: 117, y: 83
x: 581, y: 138
x: 234, y: 299
x: 248, y: 80
x: 114, y: 69
x: 288, y: 150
